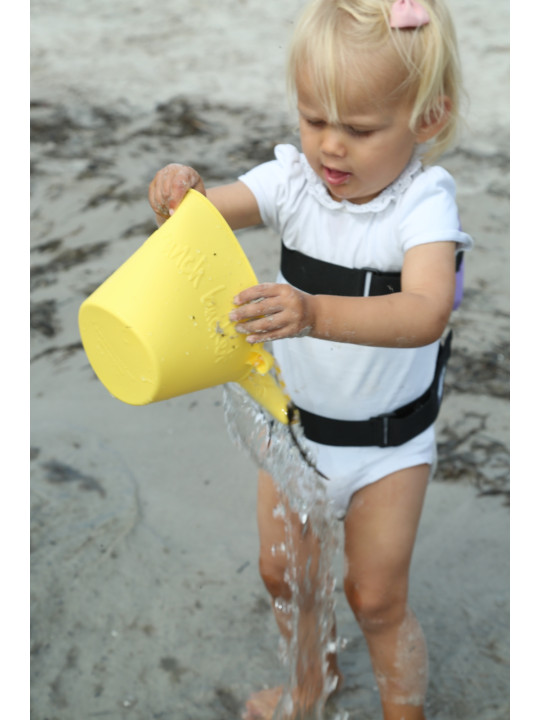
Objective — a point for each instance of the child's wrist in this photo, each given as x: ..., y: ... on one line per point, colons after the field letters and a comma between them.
x: 310, y: 328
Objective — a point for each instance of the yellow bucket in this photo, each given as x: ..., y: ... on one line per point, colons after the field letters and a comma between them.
x: 159, y: 326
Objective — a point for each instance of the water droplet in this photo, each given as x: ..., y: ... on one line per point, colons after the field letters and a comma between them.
x: 129, y: 701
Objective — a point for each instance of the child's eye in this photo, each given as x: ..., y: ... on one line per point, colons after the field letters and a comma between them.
x: 359, y: 132
x: 315, y: 123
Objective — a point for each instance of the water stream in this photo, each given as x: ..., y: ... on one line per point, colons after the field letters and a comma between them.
x: 277, y: 448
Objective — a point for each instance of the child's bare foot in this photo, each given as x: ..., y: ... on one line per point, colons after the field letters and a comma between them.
x: 262, y: 704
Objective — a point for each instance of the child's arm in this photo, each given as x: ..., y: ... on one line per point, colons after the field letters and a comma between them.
x: 235, y: 202
x: 414, y: 317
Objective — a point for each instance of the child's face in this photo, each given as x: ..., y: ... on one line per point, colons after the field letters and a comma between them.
x: 370, y: 147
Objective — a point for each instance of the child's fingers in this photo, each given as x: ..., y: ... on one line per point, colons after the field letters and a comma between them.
x: 169, y: 186
x: 271, y: 311
x: 257, y: 293
x: 255, y: 310
x: 264, y: 329
x: 259, y: 312
x: 258, y: 301
x: 266, y: 323
x: 181, y: 181
x: 159, y: 191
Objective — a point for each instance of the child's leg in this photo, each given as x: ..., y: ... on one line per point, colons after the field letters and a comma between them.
x: 380, y: 531
x: 273, y: 564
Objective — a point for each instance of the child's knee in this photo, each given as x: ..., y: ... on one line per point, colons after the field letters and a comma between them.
x: 375, y: 608
x: 273, y: 573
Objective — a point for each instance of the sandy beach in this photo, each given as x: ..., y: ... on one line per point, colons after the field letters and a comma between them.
x: 145, y: 596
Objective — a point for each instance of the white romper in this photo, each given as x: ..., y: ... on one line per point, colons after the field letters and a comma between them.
x: 343, y: 380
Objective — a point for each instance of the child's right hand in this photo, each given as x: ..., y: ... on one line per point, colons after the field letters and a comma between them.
x: 168, y: 188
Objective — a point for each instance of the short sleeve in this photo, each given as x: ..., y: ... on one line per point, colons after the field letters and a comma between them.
x: 277, y: 186
x: 428, y: 211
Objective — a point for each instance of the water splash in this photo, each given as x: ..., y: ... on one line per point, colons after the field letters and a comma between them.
x: 277, y: 448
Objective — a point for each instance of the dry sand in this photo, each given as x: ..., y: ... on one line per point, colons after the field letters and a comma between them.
x: 145, y: 597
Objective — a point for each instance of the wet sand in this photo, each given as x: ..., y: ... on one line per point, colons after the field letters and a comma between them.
x: 145, y: 596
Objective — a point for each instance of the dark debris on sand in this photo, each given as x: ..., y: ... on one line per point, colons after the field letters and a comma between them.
x: 486, y: 372
x: 468, y: 452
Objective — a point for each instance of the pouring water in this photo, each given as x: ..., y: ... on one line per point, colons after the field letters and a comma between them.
x: 277, y: 448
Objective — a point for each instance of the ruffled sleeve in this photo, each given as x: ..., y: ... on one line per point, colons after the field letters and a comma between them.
x: 277, y: 186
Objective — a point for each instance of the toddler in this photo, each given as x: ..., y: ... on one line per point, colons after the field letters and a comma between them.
x: 369, y: 237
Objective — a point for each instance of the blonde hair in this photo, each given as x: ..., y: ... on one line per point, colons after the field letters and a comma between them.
x: 334, y: 39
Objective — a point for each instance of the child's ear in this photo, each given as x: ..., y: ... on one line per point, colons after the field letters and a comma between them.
x: 429, y: 127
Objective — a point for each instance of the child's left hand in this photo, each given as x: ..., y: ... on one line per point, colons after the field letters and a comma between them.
x: 273, y: 311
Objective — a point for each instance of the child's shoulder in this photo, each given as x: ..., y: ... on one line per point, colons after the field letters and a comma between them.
x: 428, y: 209
x: 431, y: 183
x: 434, y: 178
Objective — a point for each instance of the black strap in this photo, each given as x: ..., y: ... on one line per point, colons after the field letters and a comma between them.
x: 319, y: 277
x: 388, y: 430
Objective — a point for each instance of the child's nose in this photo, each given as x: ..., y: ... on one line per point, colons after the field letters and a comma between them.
x: 333, y: 142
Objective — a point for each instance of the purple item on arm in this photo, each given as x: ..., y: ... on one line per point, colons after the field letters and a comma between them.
x: 460, y: 276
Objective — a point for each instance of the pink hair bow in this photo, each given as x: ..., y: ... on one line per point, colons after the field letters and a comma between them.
x: 408, y: 14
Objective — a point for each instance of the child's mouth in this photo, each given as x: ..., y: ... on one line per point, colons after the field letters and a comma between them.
x: 335, y: 177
